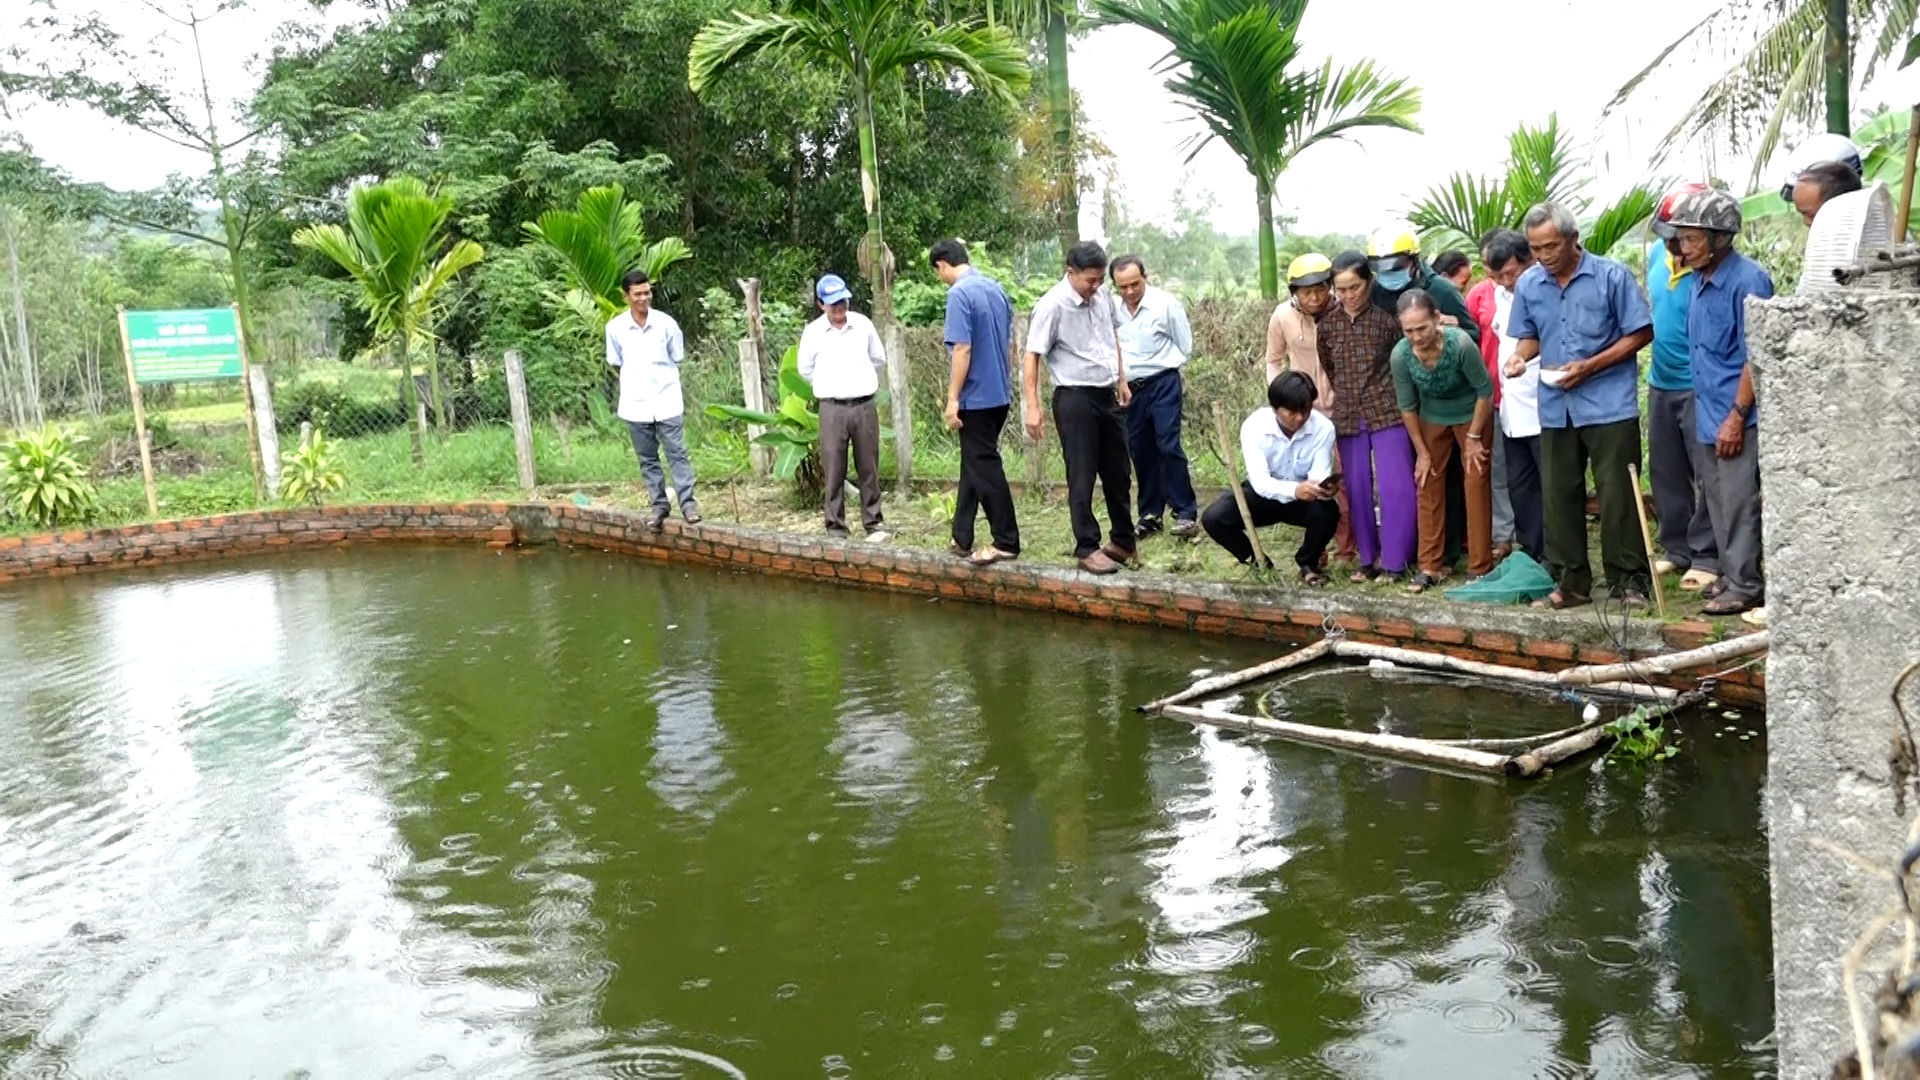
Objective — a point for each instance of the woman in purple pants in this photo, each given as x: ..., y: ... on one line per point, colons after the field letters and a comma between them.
x: 1356, y: 340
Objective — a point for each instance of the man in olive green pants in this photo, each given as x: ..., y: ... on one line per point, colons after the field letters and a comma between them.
x: 1565, y: 454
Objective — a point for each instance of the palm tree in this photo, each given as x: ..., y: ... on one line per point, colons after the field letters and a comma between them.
x: 394, y: 230
x: 1542, y: 164
x: 600, y: 240
x: 867, y: 41
x: 1234, y: 62
x: 1053, y: 19
x: 1794, y: 63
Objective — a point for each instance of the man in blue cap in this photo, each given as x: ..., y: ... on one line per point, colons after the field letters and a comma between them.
x: 840, y: 357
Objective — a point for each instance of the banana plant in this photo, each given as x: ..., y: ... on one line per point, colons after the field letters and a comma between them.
x: 793, y: 431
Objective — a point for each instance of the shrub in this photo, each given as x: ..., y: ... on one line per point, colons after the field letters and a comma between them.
x: 328, y: 404
x: 43, y: 483
x: 309, y: 472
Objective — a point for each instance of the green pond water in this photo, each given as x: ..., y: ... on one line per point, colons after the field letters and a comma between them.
x: 428, y: 812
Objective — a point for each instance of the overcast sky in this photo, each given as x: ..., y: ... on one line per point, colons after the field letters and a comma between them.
x: 1483, y: 67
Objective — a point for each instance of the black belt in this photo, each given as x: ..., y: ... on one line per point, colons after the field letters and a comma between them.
x: 1135, y: 384
x: 848, y: 400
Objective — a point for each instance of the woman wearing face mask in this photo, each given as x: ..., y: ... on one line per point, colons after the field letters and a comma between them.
x: 1355, y: 339
x: 1446, y: 400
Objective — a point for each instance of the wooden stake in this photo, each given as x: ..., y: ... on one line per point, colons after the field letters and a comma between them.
x: 1906, y: 182
x: 140, y: 415
x: 1232, y: 679
x: 521, y: 415
x: 246, y: 395
x: 1498, y: 672
x: 1646, y: 539
x: 754, y: 396
x: 1420, y: 751
x: 1230, y: 454
x: 1669, y: 663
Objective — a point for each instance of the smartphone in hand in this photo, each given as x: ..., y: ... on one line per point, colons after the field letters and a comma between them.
x: 1332, y: 483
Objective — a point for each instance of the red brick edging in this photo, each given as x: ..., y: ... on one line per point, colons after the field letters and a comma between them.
x: 1521, y: 638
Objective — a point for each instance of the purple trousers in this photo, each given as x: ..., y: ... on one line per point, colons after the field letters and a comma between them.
x: 1382, y: 462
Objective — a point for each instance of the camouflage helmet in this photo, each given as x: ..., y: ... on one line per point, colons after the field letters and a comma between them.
x: 1713, y: 210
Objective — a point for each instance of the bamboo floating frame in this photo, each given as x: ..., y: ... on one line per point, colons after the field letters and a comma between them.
x: 1498, y: 672
x: 1217, y: 683
x: 1668, y: 663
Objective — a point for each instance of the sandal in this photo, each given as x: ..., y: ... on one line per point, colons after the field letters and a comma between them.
x: 1633, y: 600
x: 954, y: 549
x: 989, y: 555
x: 1312, y: 579
x: 1561, y: 601
x: 1364, y: 574
x: 1726, y: 604
x: 1423, y: 581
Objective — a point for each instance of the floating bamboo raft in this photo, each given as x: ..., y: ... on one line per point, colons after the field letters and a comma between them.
x: 1526, y: 756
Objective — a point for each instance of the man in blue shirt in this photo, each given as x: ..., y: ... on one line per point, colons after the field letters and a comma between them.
x: 1155, y: 332
x: 1676, y: 462
x: 1585, y: 318
x: 980, y: 334
x: 1724, y: 416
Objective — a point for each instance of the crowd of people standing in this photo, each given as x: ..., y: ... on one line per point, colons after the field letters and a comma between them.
x: 1414, y: 417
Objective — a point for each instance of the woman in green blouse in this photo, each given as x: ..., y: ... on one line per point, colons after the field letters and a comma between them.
x: 1446, y: 400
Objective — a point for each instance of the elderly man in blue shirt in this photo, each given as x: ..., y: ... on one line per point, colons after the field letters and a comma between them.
x: 1724, y: 418
x: 1155, y: 333
x: 1585, y: 318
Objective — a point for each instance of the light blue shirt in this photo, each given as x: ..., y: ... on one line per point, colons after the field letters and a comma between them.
x: 648, y: 358
x: 1157, y: 337
x: 1276, y: 462
x: 1600, y: 304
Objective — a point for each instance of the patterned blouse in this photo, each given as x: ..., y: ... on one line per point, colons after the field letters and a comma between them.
x: 1354, y: 355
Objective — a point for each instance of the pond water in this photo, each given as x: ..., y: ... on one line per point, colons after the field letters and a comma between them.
x: 429, y: 812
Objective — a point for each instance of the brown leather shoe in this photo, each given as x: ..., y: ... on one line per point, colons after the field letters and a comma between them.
x: 1099, y: 563
x: 1128, y: 557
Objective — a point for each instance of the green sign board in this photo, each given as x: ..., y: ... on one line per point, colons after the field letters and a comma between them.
x: 182, y: 346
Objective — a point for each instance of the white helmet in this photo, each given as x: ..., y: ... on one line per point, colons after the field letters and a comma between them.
x: 1818, y: 149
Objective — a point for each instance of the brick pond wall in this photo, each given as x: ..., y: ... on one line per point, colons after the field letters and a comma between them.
x: 1513, y: 636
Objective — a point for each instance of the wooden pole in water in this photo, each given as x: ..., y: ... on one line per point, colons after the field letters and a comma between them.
x: 1500, y: 672
x: 139, y: 415
x: 1646, y: 539
x: 1533, y: 762
x: 1232, y: 679
x: 1231, y: 455
x: 1396, y: 746
x: 1669, y: 663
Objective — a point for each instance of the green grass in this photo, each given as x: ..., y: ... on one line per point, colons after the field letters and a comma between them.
x: 225, y: 412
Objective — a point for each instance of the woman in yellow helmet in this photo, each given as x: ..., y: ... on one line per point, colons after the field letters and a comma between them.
x: 1293, y: 344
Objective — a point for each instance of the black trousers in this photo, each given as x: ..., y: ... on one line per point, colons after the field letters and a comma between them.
x: 1523, y: 494
x: 1093, y: 440
x: 1320, y: 519
x: 983, y: 481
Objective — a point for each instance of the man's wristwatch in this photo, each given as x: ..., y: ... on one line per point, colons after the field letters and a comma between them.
x: 1744, y: 410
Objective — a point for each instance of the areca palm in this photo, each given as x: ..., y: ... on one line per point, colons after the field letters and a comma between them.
x: 1542, y: 164
x: 600, y: 239
x: 392, y: 249
x: 1053, y: 19
x: 1793, y: 62
x: 1235, y: 64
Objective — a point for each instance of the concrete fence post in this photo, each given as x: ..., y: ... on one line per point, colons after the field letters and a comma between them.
x: 754, y: 393
x: 522, y: 417
x: 1837, y: 376
x: 261, y: 382
x: 893, y: 337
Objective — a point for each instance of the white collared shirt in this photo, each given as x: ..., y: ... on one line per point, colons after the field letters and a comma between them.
x: 1277, y: 463
x: 841, y: 362
x: 648, y: 358
x: 1519, y: 398
x: 1157, y: 337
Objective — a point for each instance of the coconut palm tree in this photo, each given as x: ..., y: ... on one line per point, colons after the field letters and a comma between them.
x: 600, y: 239
x: 867, y: 41
x: 1794, y: 63
x: 391, y: 248
x: 1235, y: 63
x: 1542, y: 164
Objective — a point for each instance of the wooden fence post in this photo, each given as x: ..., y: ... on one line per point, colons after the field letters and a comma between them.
x: 521, y: 415
x: 754, y: 391
x: 139, y: 417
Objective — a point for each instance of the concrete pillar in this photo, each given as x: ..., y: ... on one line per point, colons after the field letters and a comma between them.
x: 1838, y: 377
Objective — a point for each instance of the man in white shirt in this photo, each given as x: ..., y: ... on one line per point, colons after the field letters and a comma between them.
x: 1506, y: 256
x: 840, y: 357
x: 1290, y: 479
x: 1157, y: 339
x: 1075, y: 330
x: 646, y: 347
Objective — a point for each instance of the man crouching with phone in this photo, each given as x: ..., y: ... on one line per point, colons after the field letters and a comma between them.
x: 1288, y: 451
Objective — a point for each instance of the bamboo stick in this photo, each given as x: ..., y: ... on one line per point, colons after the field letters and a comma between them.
x: 1232, y: 679
x: 1231, y: 455
x: 1418, y: 751
x: 1442, y: 662
x: 1906, y: 177
x: 1646, y: 540
x: 1535, y: 761
x: 1668, y: 663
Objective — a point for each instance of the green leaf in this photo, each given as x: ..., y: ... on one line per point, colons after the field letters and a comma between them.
x: 787, y: 462
x: 737, y: 412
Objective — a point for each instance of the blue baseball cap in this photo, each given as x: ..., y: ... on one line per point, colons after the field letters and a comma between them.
x: 831, y: 290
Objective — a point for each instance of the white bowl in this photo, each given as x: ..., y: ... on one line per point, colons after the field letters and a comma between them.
x: 1552, y: 378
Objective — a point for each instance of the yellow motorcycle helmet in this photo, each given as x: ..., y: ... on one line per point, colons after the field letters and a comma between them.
x: 1391, y: 240
x: 1309, y: 270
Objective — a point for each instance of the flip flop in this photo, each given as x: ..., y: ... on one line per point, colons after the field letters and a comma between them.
x: 1560, y: 601
x: 989, y: 555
